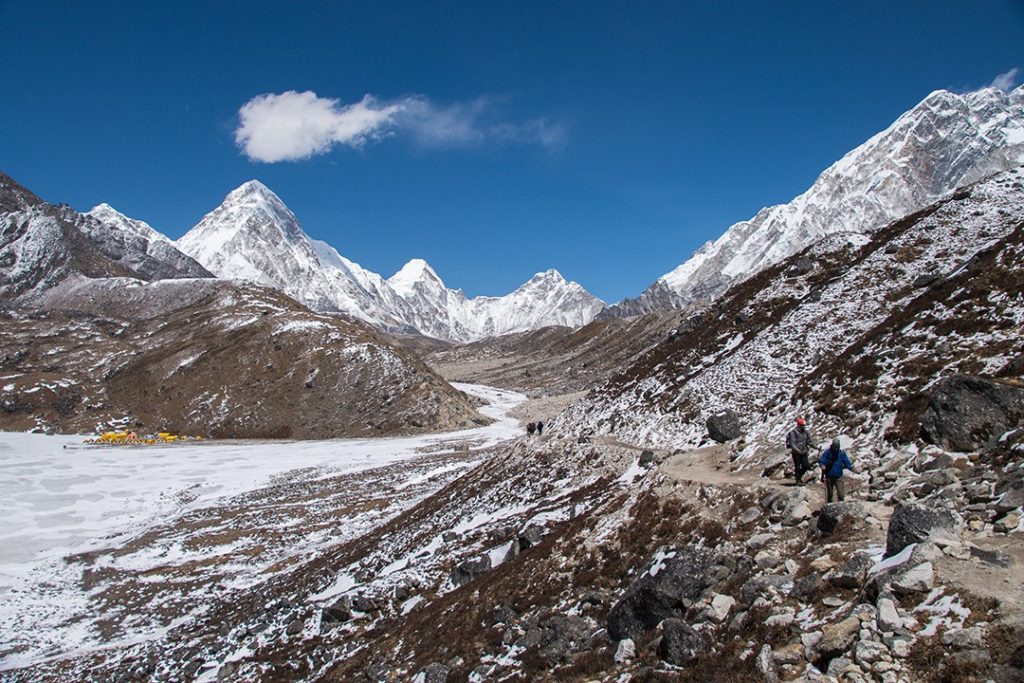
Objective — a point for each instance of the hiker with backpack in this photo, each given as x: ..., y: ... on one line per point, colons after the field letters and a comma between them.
x: 540, y: 428
x: 531, y: 428
x: 833, y: 461
x: 799, y: 442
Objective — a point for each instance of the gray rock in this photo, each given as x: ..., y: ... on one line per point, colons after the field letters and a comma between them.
x: 853, y: 572
x: 765, y: 666
x: 808, y: 588
x: 966, y: 413
x: 869, y: 651
x: 646, y: 458
x: 530, y: 536
x: 751, y: 514
x: 796, y: 513
x: 435, y: 673
x: 760, y: 585
x: 364, y: 603
x: 294, y: 627
x: 759, y: 540
x: 557, y: 637
x: 916, y: 523
x: 650, y: 599
x: 625, y: 651
x: 972, y: 638
x: 919, y: 579
x: 889, y: 618
x: 720, y: 607
x: 724, y: 426
x: 831, y: 514
x: 836, y: 639
x: 680, y: 644
x: 1009, y: 500
x: 470, y: 569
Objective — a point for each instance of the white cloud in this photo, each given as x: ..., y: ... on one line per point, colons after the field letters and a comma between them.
x: 1005, y: 81
x: 297, y: 125
x: 293, y: 126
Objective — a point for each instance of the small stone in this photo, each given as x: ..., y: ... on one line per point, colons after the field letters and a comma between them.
x: 823, y: 563
x: 625, y: 651
x: 832, y: 601
x: 765, y: 666
x: 782, y: 619
x: 720, y: 607
x: 294, y: 627
x: 759, y: 540
x: 751, y: 514
x: 972, y: 638
x: 919, y: 579
x: 790, y: 654
x: 646, y: 459
x: 1006, y: 524
x: 841, y: 665
x: 837, y: 638
x: 869, y: 652
x: 888, y: 616
x: 900, y: 648
x: 767, y: 560
x: 796, y: 514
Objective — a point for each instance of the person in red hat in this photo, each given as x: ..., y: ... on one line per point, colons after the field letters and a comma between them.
x: 799, y: 442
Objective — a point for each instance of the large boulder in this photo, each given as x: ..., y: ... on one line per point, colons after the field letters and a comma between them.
x: 831, y: 514
x: 966, y: 413
x: 470, y: 569
x: 724, y: 426
x: 916, y: 523
x: 680, y: 644
x: 673, y: 581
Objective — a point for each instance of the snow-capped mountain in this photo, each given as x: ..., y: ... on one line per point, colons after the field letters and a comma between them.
x: 138, y: 243
x: 945, y: 142
x: 254, y: 236
x: 41, y: 244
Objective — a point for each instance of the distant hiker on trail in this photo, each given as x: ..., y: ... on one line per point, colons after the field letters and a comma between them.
x: 799, y: 442
x: 530, y: 428
x: 540, y: 428
x: 833, y: 461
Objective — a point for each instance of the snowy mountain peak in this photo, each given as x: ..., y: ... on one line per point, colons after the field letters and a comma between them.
x: 945, y: 142
x: 107, y: 214
x: 415, y: 271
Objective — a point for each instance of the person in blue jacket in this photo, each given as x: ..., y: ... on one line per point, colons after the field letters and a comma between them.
x: 833, y: 461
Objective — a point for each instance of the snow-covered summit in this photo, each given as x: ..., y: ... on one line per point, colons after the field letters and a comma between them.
x: 254, y: 236
x: 415, y: 272
x: 105, y: 213
x: 946, y: 141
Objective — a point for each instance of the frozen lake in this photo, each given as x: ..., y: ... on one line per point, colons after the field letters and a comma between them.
x: 60, y: 498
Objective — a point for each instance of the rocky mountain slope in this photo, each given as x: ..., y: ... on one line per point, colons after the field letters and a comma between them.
x: 211, y: 358
x: 108, y: 324
x: 947, y: 141
x: 41, y: 244
x: 254, y: 236
x: 625, y: 544
x: 555, y: 360
x: 851, y: 332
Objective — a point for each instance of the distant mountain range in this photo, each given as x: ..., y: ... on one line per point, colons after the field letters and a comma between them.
x: 947, y: 141
x: 253, y: 236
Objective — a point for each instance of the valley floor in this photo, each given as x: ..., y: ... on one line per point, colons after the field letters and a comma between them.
x: 101, y: 547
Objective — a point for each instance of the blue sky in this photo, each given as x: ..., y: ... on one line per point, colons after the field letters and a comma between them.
x: 607, y: 140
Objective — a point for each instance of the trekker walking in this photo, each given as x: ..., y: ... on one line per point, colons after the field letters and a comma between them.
x: 799, y: 442
x: 540, y: 428
x: 833, y: 461
x: 530, y: 428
